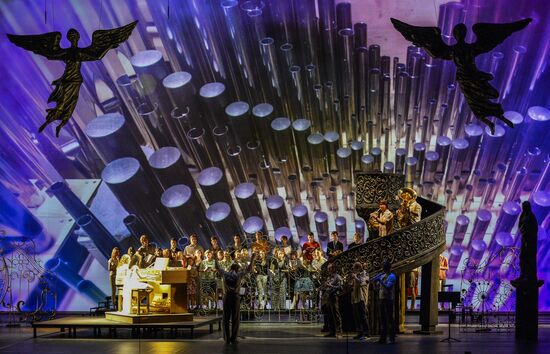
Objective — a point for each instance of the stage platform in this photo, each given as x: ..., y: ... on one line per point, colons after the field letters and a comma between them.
x: 151, y: 318
x: 72, y: 323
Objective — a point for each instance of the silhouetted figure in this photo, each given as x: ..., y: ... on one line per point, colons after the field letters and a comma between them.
x: 232, y: 298
x: 527, y: 285
x: 473, y: 82
x: 528, y: 229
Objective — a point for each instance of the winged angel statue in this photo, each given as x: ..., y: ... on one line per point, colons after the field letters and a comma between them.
x: 67, y: 87
x: 473, y: 82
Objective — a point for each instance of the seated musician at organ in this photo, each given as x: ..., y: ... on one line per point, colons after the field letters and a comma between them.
x: 334, y: 247
x: 381, y: 220
x: 310, y: 246
x: 410, y: 211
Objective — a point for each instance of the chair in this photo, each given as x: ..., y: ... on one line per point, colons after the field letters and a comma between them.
x: 140, y: 295
x: 101, y: 307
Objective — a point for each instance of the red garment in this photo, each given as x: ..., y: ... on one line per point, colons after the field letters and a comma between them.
x: 308, y: 248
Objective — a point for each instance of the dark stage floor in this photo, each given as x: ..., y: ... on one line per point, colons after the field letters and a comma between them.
x: 262, y: 338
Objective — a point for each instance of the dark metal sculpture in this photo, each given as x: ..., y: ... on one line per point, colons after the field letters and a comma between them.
x: 67, y: 87
x: 473, y: 82
x: 527, y: 285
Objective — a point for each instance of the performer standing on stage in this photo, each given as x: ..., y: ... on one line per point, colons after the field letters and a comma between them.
x: 387, y: 296
x: 207, y: 271
x: 112, y: 265
x: 286, y: 246
x: 332, y: 289
x: 146, y: 252
x: 261, y: 243
x: 309, y: 247
x: 411, y: 280
x: 360, y: 300
x: 237, y: 246
x: 174, y: 247
x: 232, y: 299
x: 408, y: 213
x: 443, y: 267
x: 279, y: 272
x: 215, y: 244
x: 381, y: 220
x: 261, y: 267
x: 334, y: 247
x: 191, y: 249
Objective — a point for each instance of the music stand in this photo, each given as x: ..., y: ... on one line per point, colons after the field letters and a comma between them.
x: 454, y: 298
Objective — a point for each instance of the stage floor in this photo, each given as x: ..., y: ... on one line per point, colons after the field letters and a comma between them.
x: 261, y: 338
x: 96, y: 323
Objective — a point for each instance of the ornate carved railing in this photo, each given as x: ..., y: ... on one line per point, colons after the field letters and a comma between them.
x: 406, y: 248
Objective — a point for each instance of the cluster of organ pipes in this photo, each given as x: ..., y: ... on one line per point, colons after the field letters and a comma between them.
x: 231, y: 111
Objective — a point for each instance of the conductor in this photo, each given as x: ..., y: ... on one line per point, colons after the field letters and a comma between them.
x: 232, y: 298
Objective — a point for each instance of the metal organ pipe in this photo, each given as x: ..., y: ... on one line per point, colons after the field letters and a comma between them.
x: 224, y: 222
x: 277, y: 211
x: 187, y: 210
x: 125, y: 174
x: 301, y: 220
x: 214, y: 186
x: 248, y: 201
x: 169, y: 168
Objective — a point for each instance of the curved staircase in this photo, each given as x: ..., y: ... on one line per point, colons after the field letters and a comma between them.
x: 407, y: 248
x: 416, y: 245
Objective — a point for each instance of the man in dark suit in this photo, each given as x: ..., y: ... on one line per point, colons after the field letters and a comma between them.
x: 334, y: 247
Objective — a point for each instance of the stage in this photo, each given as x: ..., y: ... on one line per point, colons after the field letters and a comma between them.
x: 258, y: 337
x: 73, y: 323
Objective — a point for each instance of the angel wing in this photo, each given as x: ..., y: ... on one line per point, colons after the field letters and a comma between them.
x: 428, y: 38
x: 489, y: 35
x: 105, y: 40
x: 45, y: 44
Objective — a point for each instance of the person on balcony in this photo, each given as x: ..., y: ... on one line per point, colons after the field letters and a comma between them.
x: 381, y: 220
x: 410, y: 211
x: 356, y: 241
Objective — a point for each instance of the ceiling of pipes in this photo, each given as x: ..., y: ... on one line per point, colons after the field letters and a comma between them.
x: 245, y: 140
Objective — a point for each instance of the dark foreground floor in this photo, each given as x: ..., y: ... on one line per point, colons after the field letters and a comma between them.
x: 263, y: 338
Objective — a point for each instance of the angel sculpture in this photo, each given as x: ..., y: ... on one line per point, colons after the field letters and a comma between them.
x: 67, y: 87
x: 473, y: 82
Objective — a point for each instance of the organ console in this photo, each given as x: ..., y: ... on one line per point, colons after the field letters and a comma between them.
x: 164, y: 288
